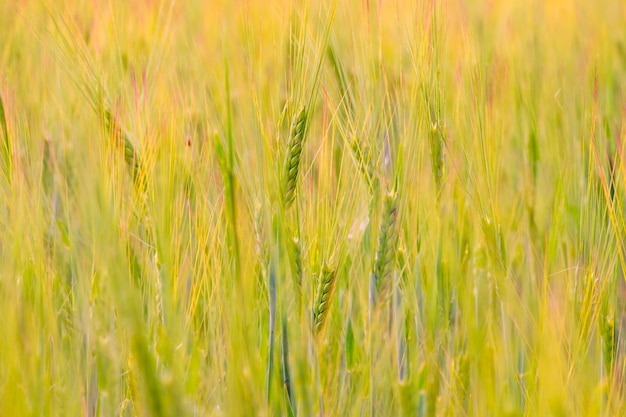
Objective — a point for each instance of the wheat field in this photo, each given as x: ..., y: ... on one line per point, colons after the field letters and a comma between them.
x: 312, y: 208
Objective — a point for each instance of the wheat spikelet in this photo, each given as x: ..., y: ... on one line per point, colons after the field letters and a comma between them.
x: 437, y: 136
x: 363, y: 155
x: 386, y: 242
x: 259, y: 235
x: 131, y: 156
x: 296, y: 252
x: 292, y: 162
x: 6, y: 145
x: 324, y: 295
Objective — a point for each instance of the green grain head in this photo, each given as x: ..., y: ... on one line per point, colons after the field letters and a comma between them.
x: 387, y: 238
x: 292, y: 161
x: 325, y: 291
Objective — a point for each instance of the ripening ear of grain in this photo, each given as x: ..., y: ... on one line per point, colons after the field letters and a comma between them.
x: 295, y: 249
x: 386, y: 249
x: 292, y: 158
x: 131, y: 156
x: 324, y: 297
x: 6, y: 144
x: 437, y: 138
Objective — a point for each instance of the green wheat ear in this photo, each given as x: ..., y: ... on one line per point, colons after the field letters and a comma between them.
x: 387, y: 237
x: 131, y: 156
x: 6, y: 146
x: 295, y: 246
x: 437, y: 139
x: 323, y: 298
x: 292, y: 162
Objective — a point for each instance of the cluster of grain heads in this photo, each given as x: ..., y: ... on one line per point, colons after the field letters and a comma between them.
x: 292, y: 161
x: 386, y: 250
x: 323, y: 298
